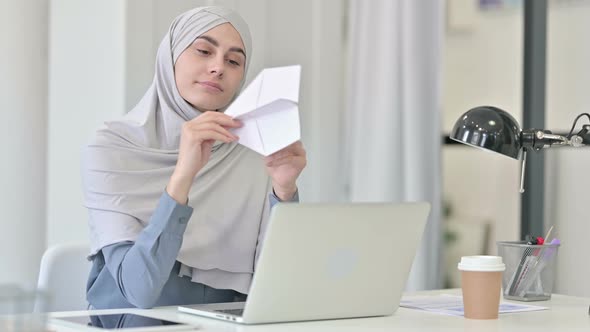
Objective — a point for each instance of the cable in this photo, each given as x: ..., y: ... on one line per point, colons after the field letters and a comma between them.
x: 569, y: 136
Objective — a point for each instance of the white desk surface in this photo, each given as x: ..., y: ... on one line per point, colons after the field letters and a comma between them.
x: 566, y: 313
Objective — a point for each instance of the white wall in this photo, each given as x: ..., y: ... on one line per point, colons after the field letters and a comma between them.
x: 86, y: 87
x: 484, y: 66
x: 311, y: 33
x: 23, y: 101
x: 568, y: 77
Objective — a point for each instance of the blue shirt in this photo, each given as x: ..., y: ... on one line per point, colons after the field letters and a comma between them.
x: 144, y: 273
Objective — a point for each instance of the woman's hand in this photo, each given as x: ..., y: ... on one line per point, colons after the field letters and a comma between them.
x: 284, y: 167
x: 196, y: 140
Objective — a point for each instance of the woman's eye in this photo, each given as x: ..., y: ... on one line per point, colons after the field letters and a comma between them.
x: 204, y: 52
x: 233, y: 62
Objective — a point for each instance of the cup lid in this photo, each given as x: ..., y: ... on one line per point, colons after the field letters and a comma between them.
x: 481, y: 263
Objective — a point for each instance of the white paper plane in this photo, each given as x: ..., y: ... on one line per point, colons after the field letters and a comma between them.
x: 269, y: 109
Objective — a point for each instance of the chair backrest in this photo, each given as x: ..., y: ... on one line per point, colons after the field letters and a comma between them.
x: 63, y: 275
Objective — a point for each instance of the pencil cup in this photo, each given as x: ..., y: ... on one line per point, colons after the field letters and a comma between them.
x: 530, y: 270
x: 481, y: 280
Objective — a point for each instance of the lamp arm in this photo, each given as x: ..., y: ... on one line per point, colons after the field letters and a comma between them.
x: 549, y: 139
x: 536, y: 139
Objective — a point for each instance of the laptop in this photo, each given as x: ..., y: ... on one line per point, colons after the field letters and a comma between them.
x: 329, y: 261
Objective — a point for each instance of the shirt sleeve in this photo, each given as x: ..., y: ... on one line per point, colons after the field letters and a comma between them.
x: 274, y: 199
x: 142, y: 268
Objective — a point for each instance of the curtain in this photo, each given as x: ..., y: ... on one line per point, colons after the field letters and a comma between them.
x: 393, y: 123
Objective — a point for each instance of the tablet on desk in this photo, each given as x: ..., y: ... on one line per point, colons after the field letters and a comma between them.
x: 121, y: 322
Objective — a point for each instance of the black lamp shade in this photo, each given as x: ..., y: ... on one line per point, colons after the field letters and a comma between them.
x: 489, y: 128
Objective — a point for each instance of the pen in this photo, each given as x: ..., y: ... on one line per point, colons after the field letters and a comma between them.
x: 522, y: 278
x: 529, y: 260
x: 549, y: 232
x: 523, y: 260
x: 533, y: 270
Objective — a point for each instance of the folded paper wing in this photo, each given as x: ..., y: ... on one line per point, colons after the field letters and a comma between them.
x: 269, y: 109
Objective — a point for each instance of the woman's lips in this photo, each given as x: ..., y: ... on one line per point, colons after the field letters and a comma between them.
x: 211, y: 86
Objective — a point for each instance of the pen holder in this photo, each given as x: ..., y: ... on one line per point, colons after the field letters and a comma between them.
x: 530, y: 270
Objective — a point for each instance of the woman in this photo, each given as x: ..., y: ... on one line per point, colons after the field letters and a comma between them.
x: 175, y: 149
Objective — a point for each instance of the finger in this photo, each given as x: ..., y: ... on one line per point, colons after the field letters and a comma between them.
x: 237, y: 123
x: 277, y: 155
x: 215, y: 127
x: 212, y: 135
x: 294, y: 160
x: 292, y: 150
x: 221, y: 119
x: 296, y: 145
x: 298, y: 149
x: 201, y: 131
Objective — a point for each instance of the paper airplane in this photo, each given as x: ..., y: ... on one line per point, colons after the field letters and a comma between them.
x: 269, y: 109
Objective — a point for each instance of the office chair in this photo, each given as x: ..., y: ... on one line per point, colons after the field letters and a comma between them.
x: 63, y: 275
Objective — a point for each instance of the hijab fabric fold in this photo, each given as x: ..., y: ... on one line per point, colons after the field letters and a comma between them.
x: 128, y: 163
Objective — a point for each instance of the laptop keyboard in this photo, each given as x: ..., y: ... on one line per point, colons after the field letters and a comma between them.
x: 235, y: 312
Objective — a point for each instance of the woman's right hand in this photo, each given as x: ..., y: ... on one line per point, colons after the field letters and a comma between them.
x: 196, y: 140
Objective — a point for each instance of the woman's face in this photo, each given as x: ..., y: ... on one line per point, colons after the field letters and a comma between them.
x: 209, y: 72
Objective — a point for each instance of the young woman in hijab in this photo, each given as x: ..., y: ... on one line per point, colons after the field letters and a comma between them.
x: 144, y: 174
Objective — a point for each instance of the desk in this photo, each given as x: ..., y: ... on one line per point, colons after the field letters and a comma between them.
x: 566, y: 313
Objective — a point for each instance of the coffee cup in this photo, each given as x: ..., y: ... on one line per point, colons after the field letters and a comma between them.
x: 481, y: 283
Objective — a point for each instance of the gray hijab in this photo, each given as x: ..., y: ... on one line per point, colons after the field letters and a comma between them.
x: 128, y: 163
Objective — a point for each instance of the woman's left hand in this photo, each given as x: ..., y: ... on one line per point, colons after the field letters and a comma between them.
x: 284, y: 167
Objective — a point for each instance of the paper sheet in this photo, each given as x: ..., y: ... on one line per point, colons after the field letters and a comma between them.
x: 453, y: 305
x: 269, y: 109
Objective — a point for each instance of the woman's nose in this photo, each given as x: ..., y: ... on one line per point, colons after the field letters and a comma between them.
x: 217, y: 67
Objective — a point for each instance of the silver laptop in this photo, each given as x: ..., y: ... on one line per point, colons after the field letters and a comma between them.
x: 329, y: 261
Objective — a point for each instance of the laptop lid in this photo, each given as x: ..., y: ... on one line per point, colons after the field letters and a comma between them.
x: 326, y: 261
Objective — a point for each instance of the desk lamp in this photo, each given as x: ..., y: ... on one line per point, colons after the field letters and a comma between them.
x: 492, y: 129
